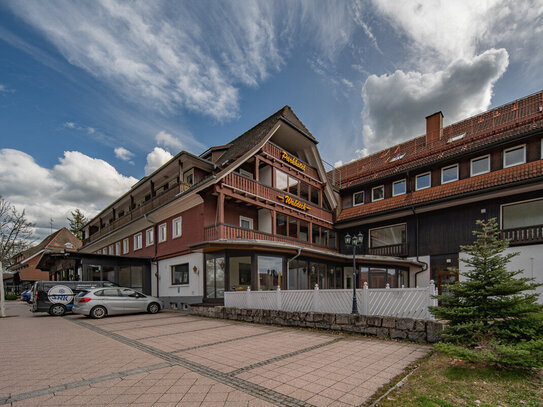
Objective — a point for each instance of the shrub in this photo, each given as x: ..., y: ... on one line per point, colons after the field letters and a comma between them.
x: 10, y: 297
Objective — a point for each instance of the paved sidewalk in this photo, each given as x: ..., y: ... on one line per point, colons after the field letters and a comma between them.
x: 175, y: 359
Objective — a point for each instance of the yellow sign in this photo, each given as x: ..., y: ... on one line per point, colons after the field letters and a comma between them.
x: 294, y: 202
x: 292, y: 160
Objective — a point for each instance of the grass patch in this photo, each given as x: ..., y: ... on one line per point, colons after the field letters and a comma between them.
x: 441, y: 382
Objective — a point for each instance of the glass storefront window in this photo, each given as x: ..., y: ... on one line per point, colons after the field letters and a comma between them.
x: 215, y: 277
x: 240, y: 273
x: 137, y: 278
x: 94, y: 273
x: 270, y: 272
x: 124, y: 276
x: 297, y: 275
x: 316, y: 234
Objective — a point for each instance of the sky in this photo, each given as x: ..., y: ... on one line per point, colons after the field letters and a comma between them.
x: 94, y: 95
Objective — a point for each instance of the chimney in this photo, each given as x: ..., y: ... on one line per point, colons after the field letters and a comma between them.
x: 434, y: 128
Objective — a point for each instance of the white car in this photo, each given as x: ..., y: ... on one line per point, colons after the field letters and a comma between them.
x: 100, y: 302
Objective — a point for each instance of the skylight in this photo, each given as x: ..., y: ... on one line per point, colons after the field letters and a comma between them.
x: 397, y: 157
x: 456, y: 138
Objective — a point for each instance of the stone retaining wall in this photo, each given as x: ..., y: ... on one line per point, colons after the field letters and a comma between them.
x: 384, y: 327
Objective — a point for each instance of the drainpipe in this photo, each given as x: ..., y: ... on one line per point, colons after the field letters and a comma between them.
x: 425, y: 265
x: 155, y: 245
x: 288, y: 263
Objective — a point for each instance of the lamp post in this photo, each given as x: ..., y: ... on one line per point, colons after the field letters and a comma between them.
x: 355, y: 241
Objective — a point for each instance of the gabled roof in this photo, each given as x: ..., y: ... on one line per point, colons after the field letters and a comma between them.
x: 255, y: 135
x: 453, y: 190
x: 496, y: 125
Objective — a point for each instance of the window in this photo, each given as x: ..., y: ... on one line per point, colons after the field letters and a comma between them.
x: 304, y: 231
x: 281, y: 224
x: 293, y: 228
x: 149, y: 237
x: 104, y: 250
x: 399, y: 188
x: 188, y: 177
x: 137, y: 241
x: 423, y: 181
x: 449, y: 174
x: 316, y: 231
x: 180, y: 274
x: 126, y: 246
x: 110, y: 292
x: 176, y: 227
x: 480, y: 165
x: 514, y: 156
x: 127, y: 292
x: 378, y: 193
x: 304, y: 190
x: 358, y: 198
x: 522, y: 214
x: 111, y: 250
x: 387, y: 236
x: 245, y: 173
x: 118, y: 249
x: 162, y: 233
x: 245, y: 223
x: 281, y: 180
x: 270, y: 271
x: 314, y: 198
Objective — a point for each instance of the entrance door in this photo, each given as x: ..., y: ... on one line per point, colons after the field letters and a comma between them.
x: 443, y: 277
x: 215, y: 277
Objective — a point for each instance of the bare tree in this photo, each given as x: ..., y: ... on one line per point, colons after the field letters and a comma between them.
x: 15, y: 232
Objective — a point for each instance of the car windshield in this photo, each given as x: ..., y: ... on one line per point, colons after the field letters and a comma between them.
x: 81, y: 293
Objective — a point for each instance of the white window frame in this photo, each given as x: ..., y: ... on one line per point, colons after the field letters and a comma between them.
x: 385, y: 227
x: 110, y: 250
x: 180, y: 219
x: 138, y: 241
x: 514, y: 203
x: 373, y: 189
x: 363, y: 198
x: 162, y: 232
x: 457, y: 173
x: 117, y: 248
x: 186, y: 174
x: 471, y: 173
x: 149, y: 233
x: 126, y: 245
x: 104, y: 250
x: 244, y: 218
x: 397, y: 182
x: 523, y: 146
x: 421, y: 175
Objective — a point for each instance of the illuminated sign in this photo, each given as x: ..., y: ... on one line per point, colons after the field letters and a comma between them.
x: 294, y: 202
x: 292, y: 160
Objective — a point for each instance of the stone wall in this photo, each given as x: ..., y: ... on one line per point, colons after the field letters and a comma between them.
x: 384, y: 327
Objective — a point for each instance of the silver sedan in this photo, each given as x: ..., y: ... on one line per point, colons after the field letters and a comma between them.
x: 99, y: 302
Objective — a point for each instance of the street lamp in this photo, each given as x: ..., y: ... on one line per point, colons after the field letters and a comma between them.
x: 354, y: 242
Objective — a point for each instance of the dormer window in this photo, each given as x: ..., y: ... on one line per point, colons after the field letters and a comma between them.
x: 378, y: 193
x: 449, y: 174
x: 456, y: 138
x: 514, y: 156
x: 399, y: 188
x: 397, y: 157
x: 358, y: 198
x: 69, y: 245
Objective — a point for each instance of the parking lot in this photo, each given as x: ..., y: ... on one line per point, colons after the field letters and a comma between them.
x: 176, y: 359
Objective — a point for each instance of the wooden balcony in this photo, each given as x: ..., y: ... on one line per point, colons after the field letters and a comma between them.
x: 524, y: 235
x: 276, y: 152
x: 260, y: 192
x: 396, y: 250
x: 231, y: 232
x: 136, y: 212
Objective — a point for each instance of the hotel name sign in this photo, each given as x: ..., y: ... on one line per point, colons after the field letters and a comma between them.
x: 292, y: 160
x: 294, y: 202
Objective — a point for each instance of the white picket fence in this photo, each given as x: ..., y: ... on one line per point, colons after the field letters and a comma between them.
x: 394, y: 302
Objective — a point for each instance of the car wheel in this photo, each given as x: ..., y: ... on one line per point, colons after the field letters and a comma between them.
x: 57, y: 310
x: 153, y: 308
x: 98, y: 312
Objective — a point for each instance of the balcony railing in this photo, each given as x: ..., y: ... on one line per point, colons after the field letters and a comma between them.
x: 523, y: 235
x: 259, y: 191
x: 137, y: 212
x: 396, y: 250
x: 276, y: 152
x: 231, y: 232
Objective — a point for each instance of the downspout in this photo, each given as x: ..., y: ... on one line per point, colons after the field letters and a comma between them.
x: 155, y: 245
x: 289, y: 260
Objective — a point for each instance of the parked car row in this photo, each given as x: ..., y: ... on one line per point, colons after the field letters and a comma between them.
x: 95, y: 299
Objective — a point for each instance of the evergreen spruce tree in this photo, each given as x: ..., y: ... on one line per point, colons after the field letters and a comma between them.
x: 77, y: 221
x: 491, y: 317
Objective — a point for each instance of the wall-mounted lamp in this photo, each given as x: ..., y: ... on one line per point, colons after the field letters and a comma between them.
x: 195, y: 269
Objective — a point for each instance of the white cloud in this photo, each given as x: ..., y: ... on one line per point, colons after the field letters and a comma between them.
x: 155, y: 159
x: 395, y: 105
x: 123, y: 154
x: 46, y: 193
x: 69, y: 125
x: 166, y: 139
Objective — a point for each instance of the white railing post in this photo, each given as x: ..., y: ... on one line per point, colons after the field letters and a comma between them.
x: 316, y: 305
x: 432, y: 302
x: 365, y: 299
x: 387, y: 286
x: 248, y: 298
x: 279, y: 299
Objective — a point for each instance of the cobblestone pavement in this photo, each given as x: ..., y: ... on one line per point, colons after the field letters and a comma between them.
x: 176, y: 359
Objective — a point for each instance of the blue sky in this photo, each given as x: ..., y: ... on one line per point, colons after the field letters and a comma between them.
x: 95, y: 94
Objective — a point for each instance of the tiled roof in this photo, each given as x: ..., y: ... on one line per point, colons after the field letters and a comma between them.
x: 253, y: 136
x: 450, y: 190
x: 493, y: 126
x: 32, y: 274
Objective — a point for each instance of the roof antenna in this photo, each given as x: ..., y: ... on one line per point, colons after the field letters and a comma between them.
x: 51, y: 224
